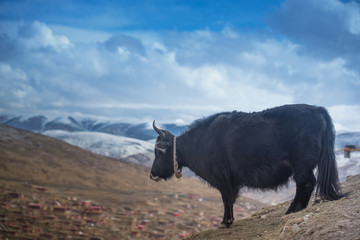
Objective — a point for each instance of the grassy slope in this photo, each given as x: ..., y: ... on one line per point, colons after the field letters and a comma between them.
x: 322, y: 220
x: 28, y: 160
x: 26, y: 156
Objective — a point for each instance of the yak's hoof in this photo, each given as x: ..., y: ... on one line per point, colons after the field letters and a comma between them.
x: 226, y: 224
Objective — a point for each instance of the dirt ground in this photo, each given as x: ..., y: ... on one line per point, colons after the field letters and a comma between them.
x: 44, y: 182
x: 320, y: 220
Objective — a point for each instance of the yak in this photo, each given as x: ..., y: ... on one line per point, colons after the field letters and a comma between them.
x: 259, y: 150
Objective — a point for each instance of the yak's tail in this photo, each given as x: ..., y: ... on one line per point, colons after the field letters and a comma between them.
x: 328, y: 181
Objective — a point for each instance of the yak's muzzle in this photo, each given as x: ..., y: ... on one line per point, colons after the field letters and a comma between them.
x: 156, y: 179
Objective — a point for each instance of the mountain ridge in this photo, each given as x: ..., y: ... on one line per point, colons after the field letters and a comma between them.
x: 40, y: 123
x: 142, y: 131
x: 108, y: 145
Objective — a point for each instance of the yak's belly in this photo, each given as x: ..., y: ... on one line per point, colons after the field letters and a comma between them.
x: 268, y: 176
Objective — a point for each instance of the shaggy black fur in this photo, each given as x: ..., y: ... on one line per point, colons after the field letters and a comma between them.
x: 261, y: 150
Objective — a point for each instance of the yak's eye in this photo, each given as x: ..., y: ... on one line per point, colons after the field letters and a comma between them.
x: 159, y: 151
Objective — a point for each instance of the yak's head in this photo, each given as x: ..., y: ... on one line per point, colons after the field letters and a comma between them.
x: 163, y: 166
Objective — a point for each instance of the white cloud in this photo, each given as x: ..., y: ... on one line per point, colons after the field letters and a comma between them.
x: 8, y: 73
x: 177, y: 76
x: 36, y: 36
x: 230, y: 32
x: 354, y: 18
x: 348, y: 13
x: 77, y: 35
x: 124, y: 44
x: 326, y: 29
x: 254, y: 58
x: 210, y: 79
x: 345, y: 117
x: 15, y: 85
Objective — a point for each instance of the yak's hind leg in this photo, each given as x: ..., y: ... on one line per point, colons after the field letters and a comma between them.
x: 305, y: 185
x: 229, y: 198
x: 228, y: 218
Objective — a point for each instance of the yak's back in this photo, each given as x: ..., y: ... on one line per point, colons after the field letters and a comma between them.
x: 299, y: 112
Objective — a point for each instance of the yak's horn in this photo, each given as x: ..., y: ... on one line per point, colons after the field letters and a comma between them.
x: 161, y: 133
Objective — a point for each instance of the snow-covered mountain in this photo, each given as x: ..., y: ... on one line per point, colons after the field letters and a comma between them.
x: 40, y: 124
x: 349, y: 138
x: 105, y: 144
x: 132, y: 142
x: 118, y: 140
x: 348, y: 166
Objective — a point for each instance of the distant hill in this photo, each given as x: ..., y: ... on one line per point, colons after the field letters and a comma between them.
x: 112, y: 139
x: 105, y: 144
x: 34, y: 157
x: 350, y: 138
x: 142, y: 131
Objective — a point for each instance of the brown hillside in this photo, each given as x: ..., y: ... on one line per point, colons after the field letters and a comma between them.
x: 323, y: 220
x: 44, y: 180
x: 26, y: 156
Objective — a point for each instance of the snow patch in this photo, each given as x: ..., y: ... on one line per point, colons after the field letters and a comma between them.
x: 103, y: 143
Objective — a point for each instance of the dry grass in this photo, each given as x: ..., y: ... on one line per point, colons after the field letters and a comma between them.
x: 325, y: 220
x: 28, y: 160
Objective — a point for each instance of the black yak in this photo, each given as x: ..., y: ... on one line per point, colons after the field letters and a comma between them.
x: 260, y: 150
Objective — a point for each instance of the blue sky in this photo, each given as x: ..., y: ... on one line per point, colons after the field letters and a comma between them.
x: 159, y: 15
x: 176, y: 61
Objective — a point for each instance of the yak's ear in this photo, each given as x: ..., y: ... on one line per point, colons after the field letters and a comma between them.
x: 159, y: 131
